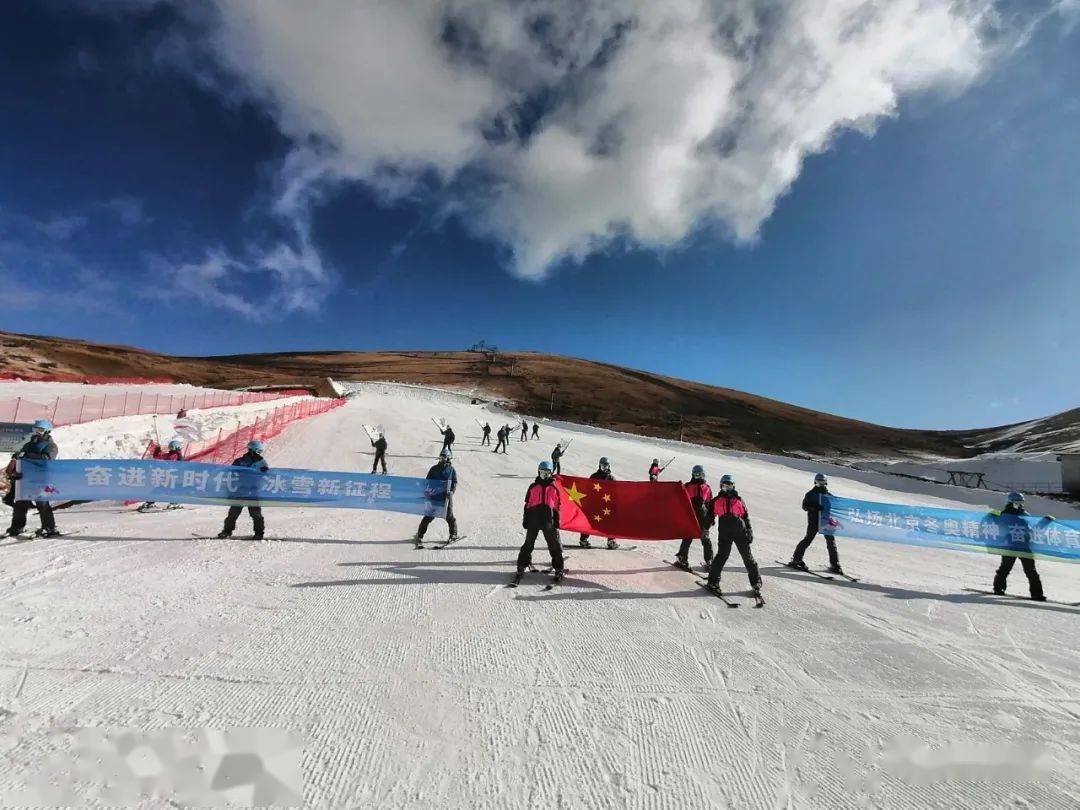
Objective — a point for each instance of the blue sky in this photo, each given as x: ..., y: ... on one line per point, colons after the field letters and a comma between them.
x: 201, y: 183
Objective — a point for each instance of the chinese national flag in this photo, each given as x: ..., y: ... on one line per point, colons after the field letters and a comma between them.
x: 634, y: 510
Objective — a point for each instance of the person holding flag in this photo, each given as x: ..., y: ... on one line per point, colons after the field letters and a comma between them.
x: 543, y: 501
x: 701, y: 498
x: 603, y: 473
x: 732, y: 528
x: 175, y: 452
x: 40, y: 447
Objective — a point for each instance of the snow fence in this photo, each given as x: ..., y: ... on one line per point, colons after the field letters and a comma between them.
x: 77, y: 410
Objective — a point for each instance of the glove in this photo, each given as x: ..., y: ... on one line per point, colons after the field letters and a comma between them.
x: 1051, y: 517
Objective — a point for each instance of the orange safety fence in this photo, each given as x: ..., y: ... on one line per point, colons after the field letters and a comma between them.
x: 77, y: 410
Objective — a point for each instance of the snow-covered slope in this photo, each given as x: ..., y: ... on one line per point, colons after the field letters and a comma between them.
x: 416, y: 680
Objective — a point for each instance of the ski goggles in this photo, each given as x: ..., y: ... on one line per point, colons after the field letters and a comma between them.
x: 545, y: 474
x: 727, y: 487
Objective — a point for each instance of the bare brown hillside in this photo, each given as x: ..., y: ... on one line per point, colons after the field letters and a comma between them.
x: 538, y: 384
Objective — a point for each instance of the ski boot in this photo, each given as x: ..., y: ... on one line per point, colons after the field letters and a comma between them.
x: 224, y: 535
x: 999, y: 591
x: 146, y: 507
x: 584, y: 542
x: 257, y: 536
x: 557, y: 577
x: 611, y: 544
x: 46, y: 533
x: 714, y: 587
x: 835, y: 569
x: 799, y: 564
x: 683, y: 563
x: 13, y: 532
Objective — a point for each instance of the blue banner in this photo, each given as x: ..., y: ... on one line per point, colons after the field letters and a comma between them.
x: 989, y: 532
x: 190, y: 482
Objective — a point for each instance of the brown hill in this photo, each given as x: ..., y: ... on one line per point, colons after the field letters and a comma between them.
x: 537, y: 384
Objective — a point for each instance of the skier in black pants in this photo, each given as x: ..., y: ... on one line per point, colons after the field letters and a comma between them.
x: 556, y: 457
x: 701, y: 499
x: 380, y: 453
x: 448, y: 438
x: 732, y: 527
x: 174, y: 453
x: 1015, y: 506
x: 524, y: 431
x: 811, y: 504
x: 503, y: 434
x: 252, y: 459
x: 487, y: 435
x: 443, y: 471
x: 536, y: 430
x: 603, y: 473
x: 41, y: 447
x: 541, y: 516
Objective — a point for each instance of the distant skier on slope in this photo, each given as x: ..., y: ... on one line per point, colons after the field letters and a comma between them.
x: 732, y: 527
x: 654, y: 469
x: 380, y: 453
x: 524, y: 431
x: 442, y: 471
x: 541, y: 516
x: 253, y: 460
x: 40, y: 447
x: 603, y: 473
x: 487, y: 435
x: 811, y: 504
x: 536, y: 430
x: 503, y: 434
x: 701, y: 498
x: 1015, y: 506
x: 175, y: 452
x: 556, y: 458
x: 448, y: 438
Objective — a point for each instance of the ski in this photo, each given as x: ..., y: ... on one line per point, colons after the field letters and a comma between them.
x: 848, y: 577
x: 418, y: 543
x: 605, y: 548
x: 716, y: 592
x: 687, y: 568
x: 516, y: 580
x: 759, y: 600
x: 444, y: 543
x: 1022, y: 598
x: 556, y: 579
x: 812, y: 573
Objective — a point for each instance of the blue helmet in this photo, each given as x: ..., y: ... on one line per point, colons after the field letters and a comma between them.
x: 821, y: 478
x: 698, y: 471
x: 1016, y: 497
x: 43, y: 425
x: 544, y: 469
x: 727, y: 479
x: 175, y: 444
x: 255, y: 446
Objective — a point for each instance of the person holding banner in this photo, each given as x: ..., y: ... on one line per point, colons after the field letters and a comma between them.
x: 252, y: 459
x: 811, y: 504
x: 380, y: 453
x: 1015, y: 506
x: 541, y: 516
x: 732, y: 527
x: 701, y: 497
x: 40, y: 447
x: 174, y: 453
x: 442, y: 471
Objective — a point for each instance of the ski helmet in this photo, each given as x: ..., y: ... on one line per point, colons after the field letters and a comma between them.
x: 255, y: 446
x: 1016, y: 497
x: 698, y: 471
x: 175, y: 444
x: 656, y: 461
x: 44, y: 425
x: 544, y: 469
x: 727, y: 481
x: 445, y: 454
x: 604, y: 463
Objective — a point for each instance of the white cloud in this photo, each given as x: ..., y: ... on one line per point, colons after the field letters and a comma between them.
x: 560, y: 127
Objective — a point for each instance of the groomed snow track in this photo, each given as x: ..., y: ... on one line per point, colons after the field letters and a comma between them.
x: 416, y: 680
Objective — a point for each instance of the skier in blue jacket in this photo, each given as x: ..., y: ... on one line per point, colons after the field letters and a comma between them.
x: 253, y: 460
x: 443, y: 471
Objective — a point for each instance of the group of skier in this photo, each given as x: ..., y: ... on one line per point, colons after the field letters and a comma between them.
x: 725, y: 509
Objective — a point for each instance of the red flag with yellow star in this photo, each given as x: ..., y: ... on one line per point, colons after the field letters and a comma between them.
x: 634, y: 510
